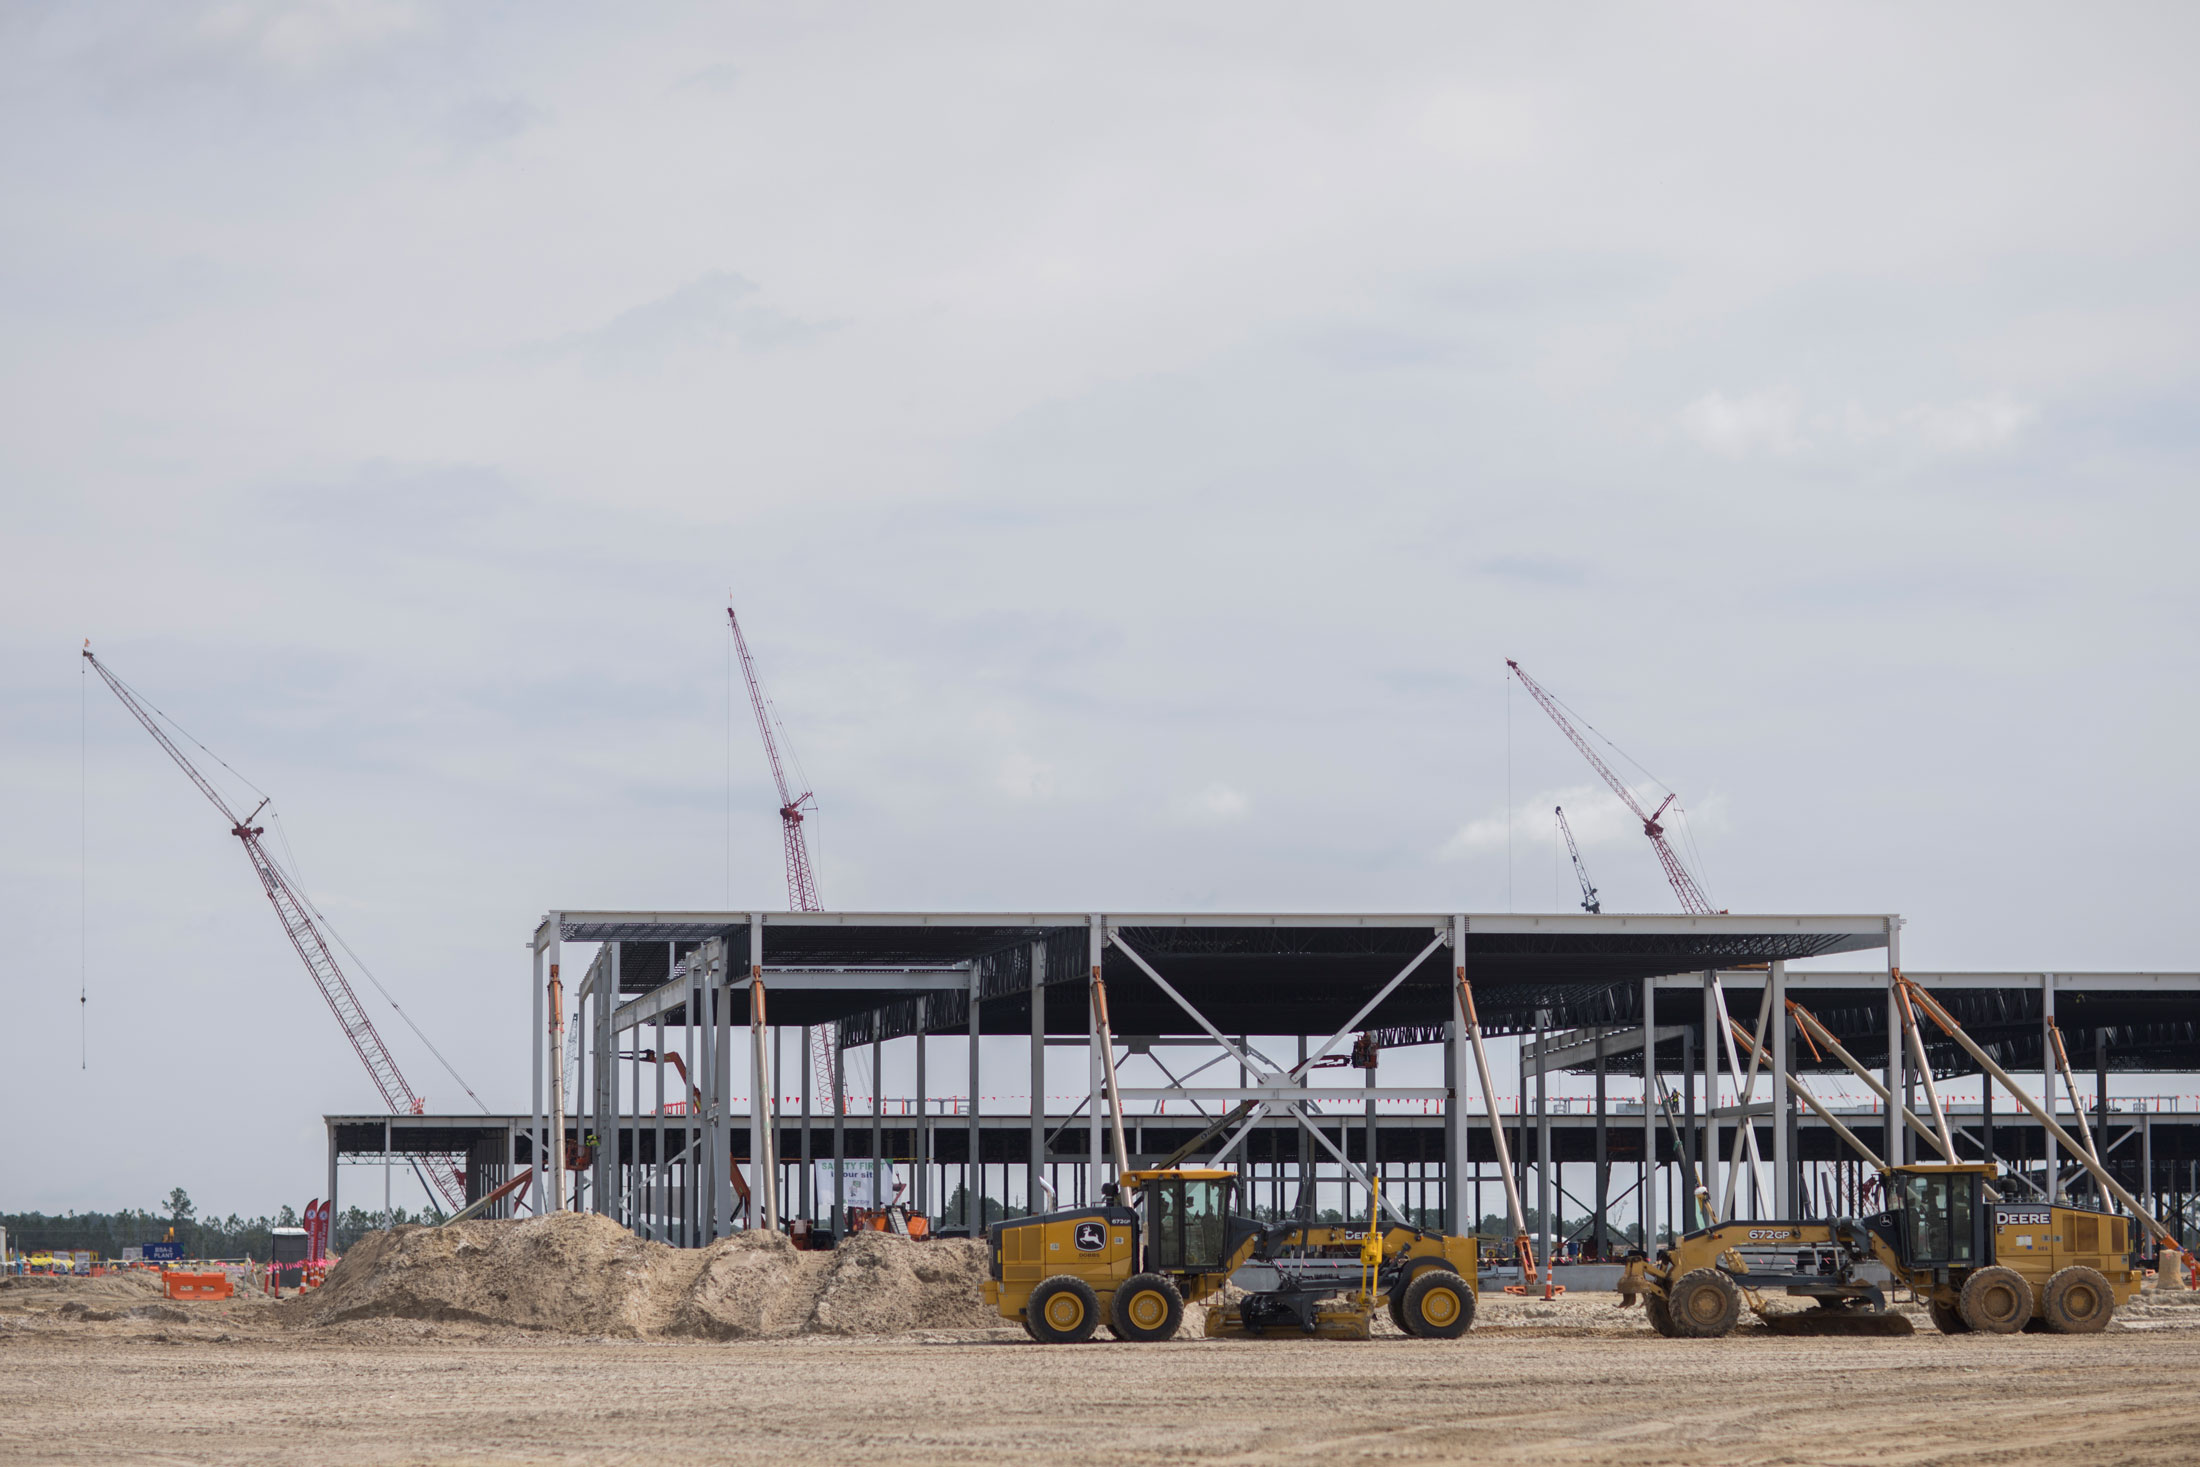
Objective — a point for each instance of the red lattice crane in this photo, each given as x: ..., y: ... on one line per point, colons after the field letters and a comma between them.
x: 312, y: 945
x: 1684, y: 885
x: 801, y: 881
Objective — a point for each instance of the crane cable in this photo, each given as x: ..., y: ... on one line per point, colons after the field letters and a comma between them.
x: 83, y: 863
x: 1688, y: 832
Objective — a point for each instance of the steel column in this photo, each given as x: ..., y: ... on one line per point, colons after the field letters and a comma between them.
x: 556, y: 1040
x: 840, y: 1131
x: 763, y: 1170
x: 1651, y: 1104
x: 974, y: 1201
x: 1686, y: 1214
x: 2100, y: 1096
x: 1597, y: 1236
x: 1904, y: 1148
x: 1095, y: 940
x: 881, y: 1173
x: 805, y: 1199
x: 1455, y: 1119
x: 664, y: 1171
x: 1460, y: 1135
x: 1783, y: 1104
x: 1711, y: 1050
x: 607, y: 1087
x: 921, y: 1183
x: 633, y: 1157
x: 1545, y: 1190
x: 1035, y: 1180
x: 2049, y: 1151
x: 722, y: 1076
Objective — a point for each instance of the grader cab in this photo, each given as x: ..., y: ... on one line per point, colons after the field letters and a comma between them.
x: 1134, y: 1266
x: 1996, y: 1267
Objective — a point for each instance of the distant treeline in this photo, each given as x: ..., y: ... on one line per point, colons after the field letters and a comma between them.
x: 108, y: 1233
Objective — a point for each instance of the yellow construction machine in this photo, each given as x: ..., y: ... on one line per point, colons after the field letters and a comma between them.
x: 1167, y: 1237
x: 1992, y: 1266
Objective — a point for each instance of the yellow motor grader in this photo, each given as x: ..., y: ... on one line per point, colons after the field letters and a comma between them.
x: 1167, y: 1237
x: 1991, y: 1266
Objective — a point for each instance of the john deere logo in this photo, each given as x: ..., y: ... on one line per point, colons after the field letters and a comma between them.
x: 1091, y: 1237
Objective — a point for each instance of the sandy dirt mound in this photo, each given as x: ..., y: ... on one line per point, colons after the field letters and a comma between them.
x: 575, y: 1273
x: 49, y: 1291
x: 875, y: 1284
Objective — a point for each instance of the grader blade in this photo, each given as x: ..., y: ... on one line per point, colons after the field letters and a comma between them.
x: 1866, y: 1323
x: 1339, y: 1322
x: 1343, y: 1324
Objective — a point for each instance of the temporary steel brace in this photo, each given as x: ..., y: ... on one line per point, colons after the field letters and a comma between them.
x: 1804, y: 1094
x: 1924, y: 1069
x: 2070, y: 1088
x: 1107, y: 1049
x: 1473, y: 1021
x: 1823, y: 1036
x: 2108, y: 1183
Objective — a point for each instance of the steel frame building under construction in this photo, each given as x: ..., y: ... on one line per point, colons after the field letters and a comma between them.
x: 1194, y: 998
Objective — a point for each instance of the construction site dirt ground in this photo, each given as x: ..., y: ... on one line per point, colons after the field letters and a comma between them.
x: 1578, y: 1381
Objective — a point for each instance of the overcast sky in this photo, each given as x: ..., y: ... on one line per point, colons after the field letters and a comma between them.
x: 1135, y: 438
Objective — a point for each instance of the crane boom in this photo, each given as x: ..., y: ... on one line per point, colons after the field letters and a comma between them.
x: 801, y: 879
x: 305, y: 936
x: 801, y: 882
x: 1693, y: 900
x: 1589, y: 902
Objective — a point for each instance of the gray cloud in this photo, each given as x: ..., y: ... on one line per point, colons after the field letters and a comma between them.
x: 713, y: 312
x: 485, y: 122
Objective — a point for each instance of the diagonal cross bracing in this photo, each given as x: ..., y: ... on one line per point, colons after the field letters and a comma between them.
x: 1259, y: 1066
x: 1369, y: 1007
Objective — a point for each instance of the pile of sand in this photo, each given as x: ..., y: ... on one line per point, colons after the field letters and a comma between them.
x: 125, y: 1285
x: 577, y: 1273
x: 100, y: 1298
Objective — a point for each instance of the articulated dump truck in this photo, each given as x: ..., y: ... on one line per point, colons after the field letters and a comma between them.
x: 1167, y: 1238
x: 1995, y: 1267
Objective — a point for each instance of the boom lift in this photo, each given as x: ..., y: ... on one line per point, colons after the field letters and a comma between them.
x: 1177, y: 1242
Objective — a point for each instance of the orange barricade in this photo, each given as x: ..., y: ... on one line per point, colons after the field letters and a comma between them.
x: 198, y: 1285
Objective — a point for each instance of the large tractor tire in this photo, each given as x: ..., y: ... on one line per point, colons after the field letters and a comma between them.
x: 1439, y: 1305
x: 1406, y: 1276
x: 1063, y: 1311
x: 1995, y: 1301
x: 1704, y: 1305
x: 1947, y: 1318
x: 2077, y: 1301
x: 1655, y: 1310
x: 1146, y: 1307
